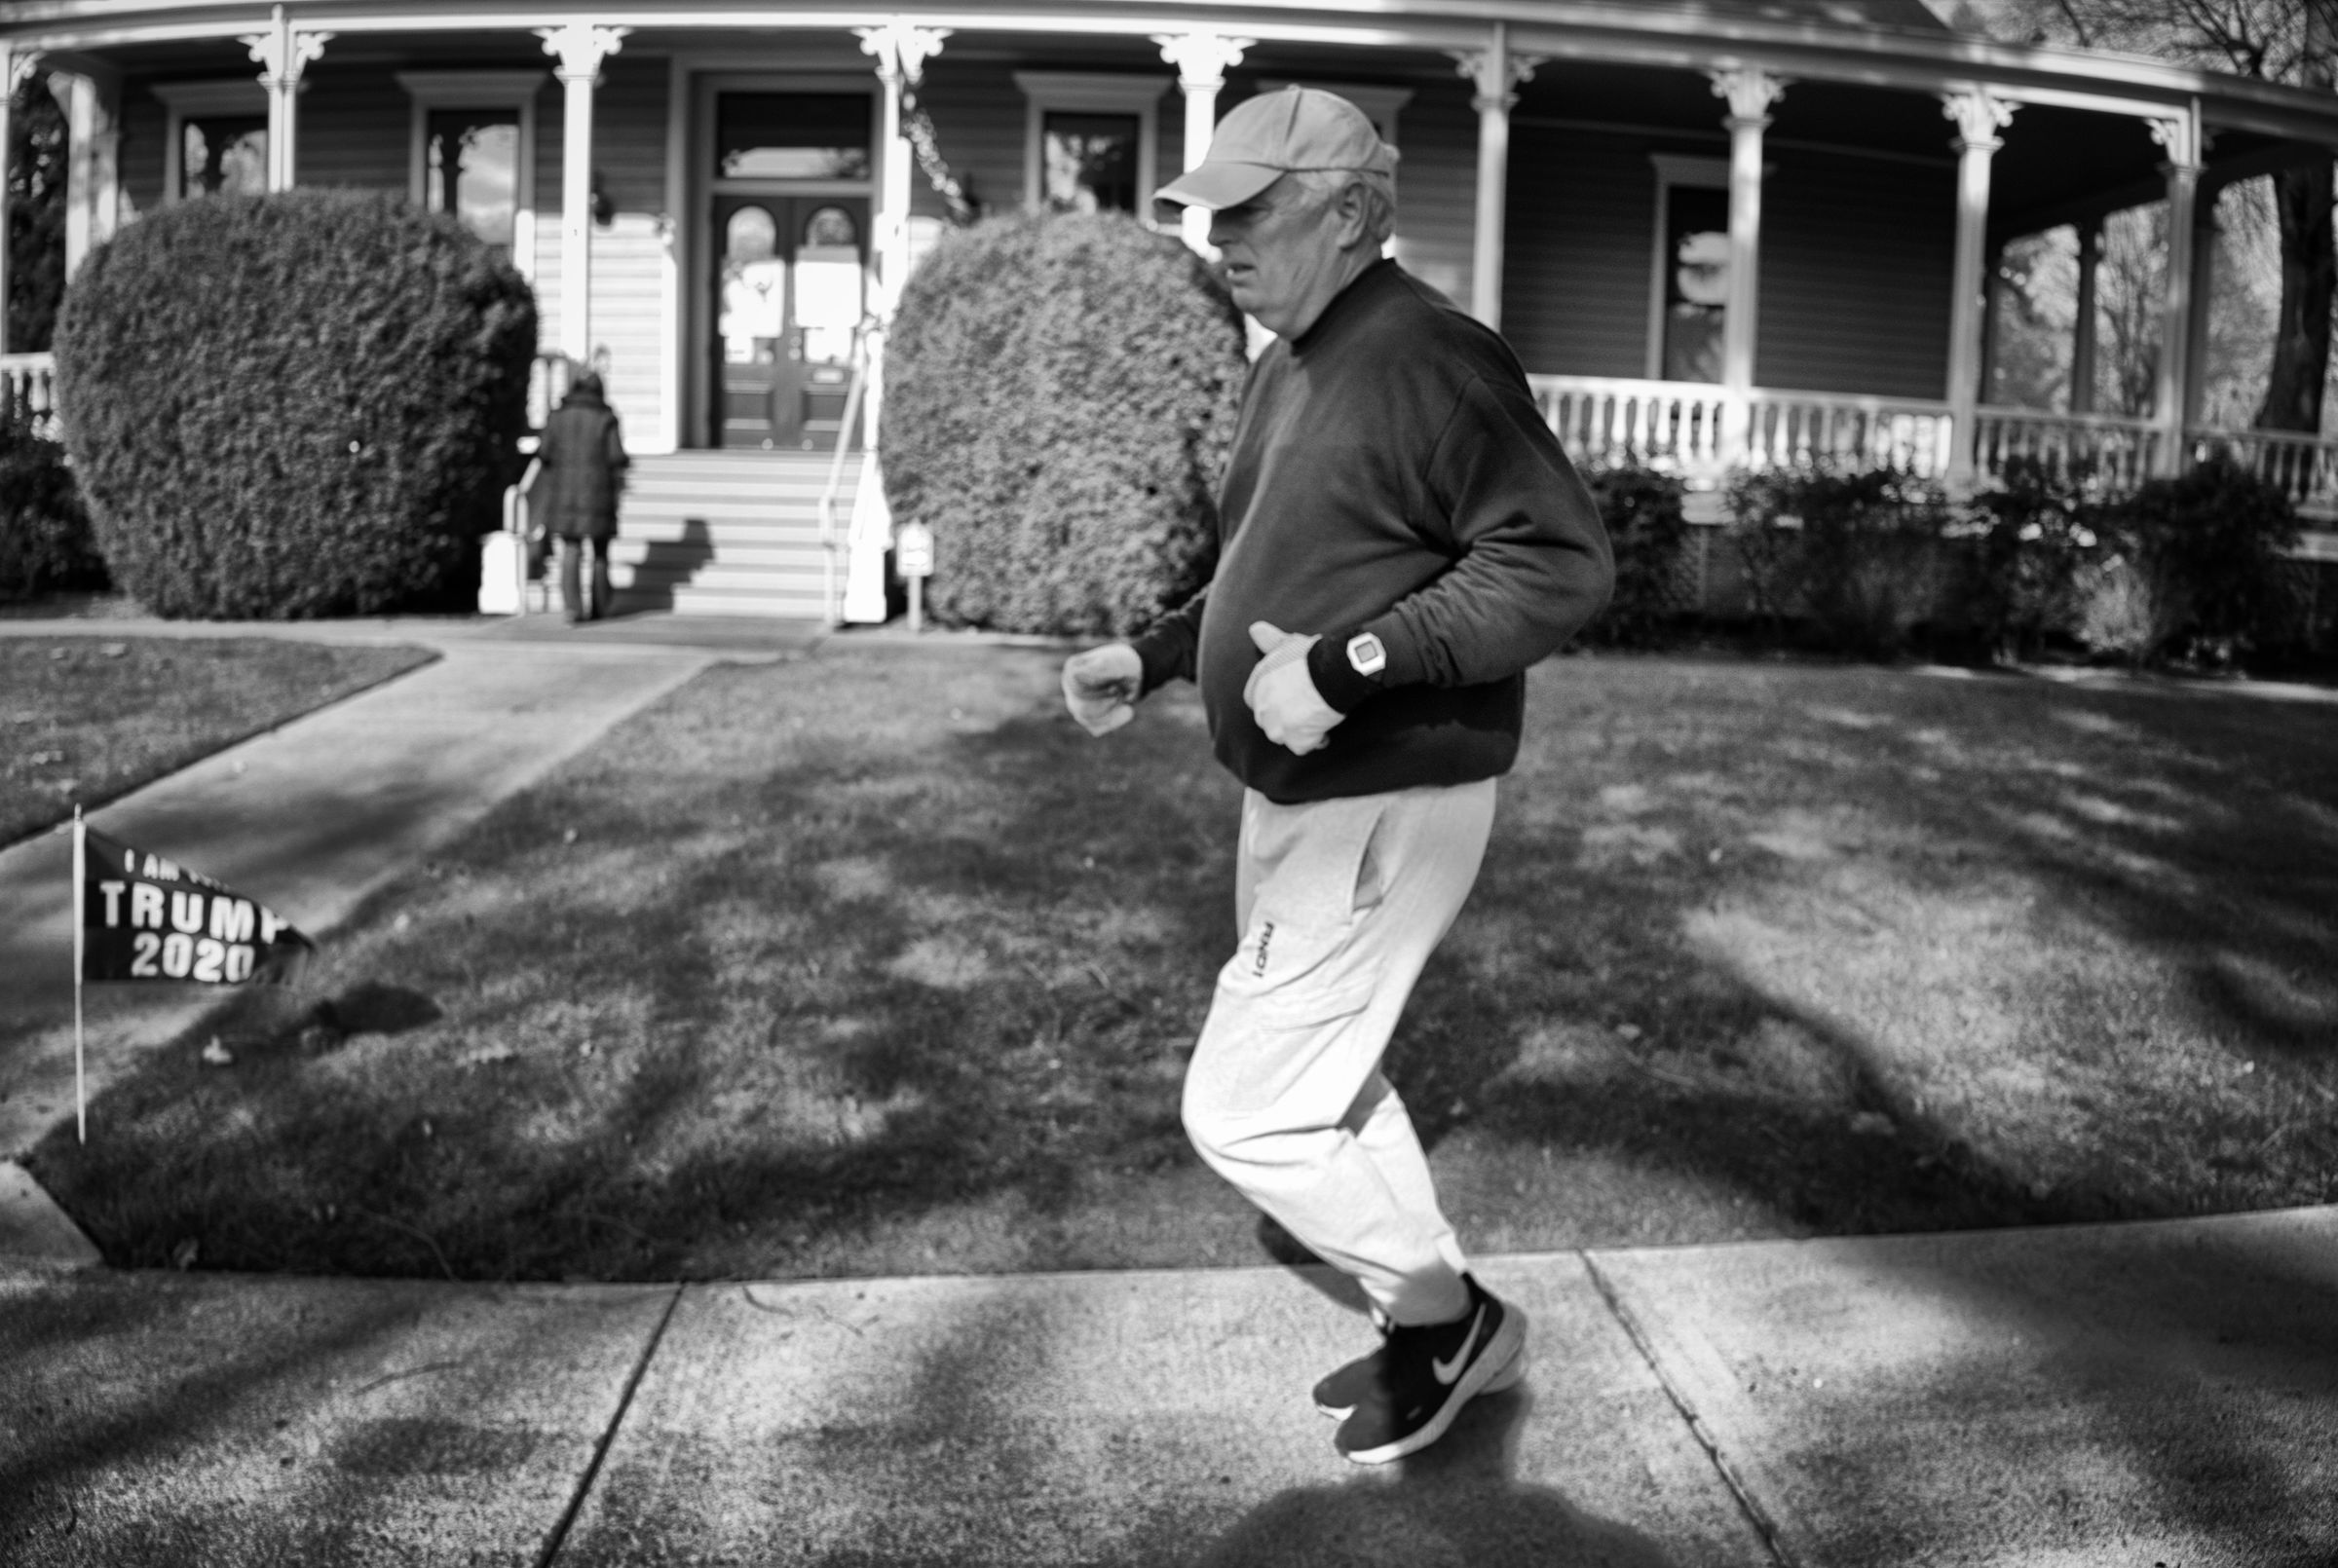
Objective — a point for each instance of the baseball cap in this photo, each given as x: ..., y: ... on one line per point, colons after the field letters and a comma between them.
x: 1269, y: 136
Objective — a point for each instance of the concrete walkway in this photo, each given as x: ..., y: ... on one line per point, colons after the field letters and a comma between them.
x: 2161, y: 1393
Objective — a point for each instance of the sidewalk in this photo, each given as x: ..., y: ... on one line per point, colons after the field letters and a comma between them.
x: 2139, y: 1395
x: 2161, y: 1393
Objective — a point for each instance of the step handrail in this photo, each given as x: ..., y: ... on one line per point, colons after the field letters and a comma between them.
x: 836, y: 469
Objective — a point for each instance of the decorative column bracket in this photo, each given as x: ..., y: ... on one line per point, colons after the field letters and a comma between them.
x: 1752, y: 92
x: 1496, y: 75
x: 582, y: 47
x: 1979, y: 115
x: 901, y: 50
x: 284, y: 52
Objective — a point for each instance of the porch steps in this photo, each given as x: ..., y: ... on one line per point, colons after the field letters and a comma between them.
x: 726, y: 534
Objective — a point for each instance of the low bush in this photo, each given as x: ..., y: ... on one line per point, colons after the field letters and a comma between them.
x: 45, y: 539
x: 2029, y: 549
x: 294, y: 405
x: 1060, y: 393
x: 1641, y: 508
x: 1857, y: 556
x: 2201, y: 569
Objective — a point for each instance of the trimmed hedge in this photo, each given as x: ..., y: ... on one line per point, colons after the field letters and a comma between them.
x: 1859, y: 553
x: 294, y: 405
x: 45, y: 539
x: 1060, y: 395
x: 2206, y: 548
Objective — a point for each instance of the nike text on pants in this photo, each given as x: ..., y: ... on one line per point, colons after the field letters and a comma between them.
x: 1341, y: 904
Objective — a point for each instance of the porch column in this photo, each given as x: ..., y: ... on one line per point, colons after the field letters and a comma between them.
x: 2083, y: 332
x: 1494, y: 72
x: 1750, y: 90
x: 581, y: 46
x: 2181, y: 138
x: 91, y: 98
x: 2204, y: 233
x: 902, y: 52
x: 284, y: 54
x: 1979, y: 115
x: 1202, y: 60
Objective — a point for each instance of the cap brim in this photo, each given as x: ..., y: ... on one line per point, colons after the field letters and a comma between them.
x: 1215, y: 187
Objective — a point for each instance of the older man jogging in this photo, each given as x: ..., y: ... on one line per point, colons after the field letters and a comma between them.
x: 1401, y: 539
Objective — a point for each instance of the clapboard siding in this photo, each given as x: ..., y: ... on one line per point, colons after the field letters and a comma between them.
x: 1858, y: 257
x: 1582, y: 215
x: 628, y: 255
x: 1437, y: 188
x: 356, y: 127
x: 139, y: 157
x: 977, y: 113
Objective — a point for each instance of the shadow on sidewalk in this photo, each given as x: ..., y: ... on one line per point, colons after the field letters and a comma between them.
x: 1457, y: 1502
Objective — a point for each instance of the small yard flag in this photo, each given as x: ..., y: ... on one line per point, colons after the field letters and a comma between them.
x: 143, y: 918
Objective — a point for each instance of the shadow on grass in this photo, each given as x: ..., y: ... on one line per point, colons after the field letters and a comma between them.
x: 899, y: 976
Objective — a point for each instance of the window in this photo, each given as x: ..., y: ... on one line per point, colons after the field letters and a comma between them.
x: 1089, y: 141
x: 215, y: 139
x: 1088, y: 162
x: 223, y: 155
x: 471, y: 167
x: 792, y: 136
x: 1689, y: 284
x: 472, y: 152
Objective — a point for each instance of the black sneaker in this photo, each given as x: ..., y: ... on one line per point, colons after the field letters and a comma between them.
x: 1424, y: 1375
x: 1339, y: 1391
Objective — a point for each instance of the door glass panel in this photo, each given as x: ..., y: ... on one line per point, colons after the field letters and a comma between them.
x: 791, y: 135
x: 1696, y: 281
x: 471, y: 167
x: 754, y: 287
x: 1088, y: 162
x: 828, y: 283
x: 223, y: 155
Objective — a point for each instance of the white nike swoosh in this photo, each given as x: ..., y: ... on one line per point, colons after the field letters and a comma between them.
x: 1447, y: 1371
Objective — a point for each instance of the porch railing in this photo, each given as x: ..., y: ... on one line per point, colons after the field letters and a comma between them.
x: 2304, y: 466
x: 28, y: 390
x: 1698, y: 431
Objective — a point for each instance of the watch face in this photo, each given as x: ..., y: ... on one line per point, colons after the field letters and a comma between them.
x: 1365, y: 656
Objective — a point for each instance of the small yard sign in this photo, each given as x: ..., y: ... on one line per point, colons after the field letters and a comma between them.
x: 913, y: 550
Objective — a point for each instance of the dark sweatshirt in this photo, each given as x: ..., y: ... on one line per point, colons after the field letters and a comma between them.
x: 1390, y: 474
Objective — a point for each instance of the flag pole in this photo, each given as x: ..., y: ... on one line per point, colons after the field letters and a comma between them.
x: 81, y: 1094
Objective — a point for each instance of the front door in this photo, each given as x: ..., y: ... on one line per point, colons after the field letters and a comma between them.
x: 787, y: 289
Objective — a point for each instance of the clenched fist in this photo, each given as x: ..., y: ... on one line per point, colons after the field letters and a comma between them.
x: 1101, y: 687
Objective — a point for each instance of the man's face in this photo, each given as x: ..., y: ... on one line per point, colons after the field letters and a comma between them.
x: 1281, y: 256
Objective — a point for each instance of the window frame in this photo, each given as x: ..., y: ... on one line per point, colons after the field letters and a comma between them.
x: 1092, y: 92
x: 503, y: 91
x: 240, y: 96
x: 1672, y: 170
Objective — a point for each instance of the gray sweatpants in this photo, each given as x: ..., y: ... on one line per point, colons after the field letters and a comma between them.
x: 1341, y: 904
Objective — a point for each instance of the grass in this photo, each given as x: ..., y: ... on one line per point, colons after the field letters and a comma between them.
x: 873, y: 964
x: 89, y: 720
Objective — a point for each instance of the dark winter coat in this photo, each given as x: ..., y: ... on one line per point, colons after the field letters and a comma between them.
x: 584, y: 461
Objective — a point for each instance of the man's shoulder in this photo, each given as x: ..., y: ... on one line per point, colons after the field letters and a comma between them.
x: 1417, y: 321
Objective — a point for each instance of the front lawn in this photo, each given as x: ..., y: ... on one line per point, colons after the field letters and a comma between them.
x: 88, y: 719
x: 873, y: 964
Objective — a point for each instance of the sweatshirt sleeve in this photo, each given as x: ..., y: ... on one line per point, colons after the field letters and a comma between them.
x: 1533, y: 562
x: 1168, y: 645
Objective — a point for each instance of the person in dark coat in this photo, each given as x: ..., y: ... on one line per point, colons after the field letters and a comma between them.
x: 582, y: 458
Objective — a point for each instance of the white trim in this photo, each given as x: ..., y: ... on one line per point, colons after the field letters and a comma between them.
x: 1093, y: 92
x: 1380, y: 105
x: 680, y: 251
x: 185, y: 100
x: 479, y: 89
x: 1673, y: 168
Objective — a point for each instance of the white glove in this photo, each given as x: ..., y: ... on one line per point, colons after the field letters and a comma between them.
x: 1101, y: 687
x: 1282, y: 696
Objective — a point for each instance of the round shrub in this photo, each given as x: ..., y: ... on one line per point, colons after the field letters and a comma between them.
x: 1060, y: 393
x: 294, y: 405
x: 2210, y: 546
